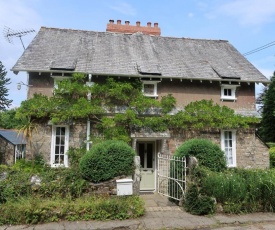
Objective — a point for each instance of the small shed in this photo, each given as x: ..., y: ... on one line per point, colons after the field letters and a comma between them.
x: 12, y: 146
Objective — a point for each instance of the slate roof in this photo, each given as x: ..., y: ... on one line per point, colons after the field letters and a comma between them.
x: 106, y: 53
x: 13, y: 137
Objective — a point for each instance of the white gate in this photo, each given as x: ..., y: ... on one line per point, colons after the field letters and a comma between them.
x: 171, y: 176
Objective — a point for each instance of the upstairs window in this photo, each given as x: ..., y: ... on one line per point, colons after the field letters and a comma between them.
x: 228, y: 92
x: 150, y: 89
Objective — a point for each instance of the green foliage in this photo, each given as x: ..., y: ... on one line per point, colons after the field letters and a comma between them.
x: 36, y: 166
x: 205, y: 114
x: 4, y: 101
x: 118, y: 106
x: 198, y: 204
x: 267, y: 125
x: 8, y: 120
x: 36, y: 210
x: 168, y: 103
x: 61, y: 182
x: 208, y: 154
x: 74, y: 155
x: 107, y: 160
x: 241, y: 190
x: 272, y: 157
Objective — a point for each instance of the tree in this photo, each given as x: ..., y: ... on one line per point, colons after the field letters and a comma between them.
x: 9, y: 121
x: 4, y: 102
x: 118, y: 107
x: 267, y: 125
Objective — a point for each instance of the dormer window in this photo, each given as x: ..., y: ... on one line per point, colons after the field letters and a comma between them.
x: 150, y: 89
x: 228, y: 92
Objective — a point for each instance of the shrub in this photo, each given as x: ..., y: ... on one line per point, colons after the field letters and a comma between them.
x: 74, y: 155
x: 107, y: 160
x: 198, y: 204
x: 208, y: 154
x: 272, y: 157
x: 36, y: 210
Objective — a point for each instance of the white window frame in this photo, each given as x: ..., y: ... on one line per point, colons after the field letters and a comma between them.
x: 233, y: 89
x: 66, y: 146
x: 20, y: 150
x: 233, y: 147
x: 154, y: 83
x: 57, y: 79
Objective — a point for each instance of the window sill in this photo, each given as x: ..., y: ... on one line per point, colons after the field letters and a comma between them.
x: 150, y: 95
x: 228, y: 99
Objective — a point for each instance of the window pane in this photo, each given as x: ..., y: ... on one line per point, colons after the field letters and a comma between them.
x: 141, y: 154
x: 149, y: 89
x: 62, y: 140
x: 62, y: 130
x: 149, y: 160
x: 57, y: 130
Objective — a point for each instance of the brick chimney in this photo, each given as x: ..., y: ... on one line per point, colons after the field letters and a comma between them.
x: 130, y: 29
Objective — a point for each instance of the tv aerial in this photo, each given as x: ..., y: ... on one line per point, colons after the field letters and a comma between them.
x: 10, y: 33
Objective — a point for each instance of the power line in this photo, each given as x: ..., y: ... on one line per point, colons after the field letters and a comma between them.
x: 260, y: 48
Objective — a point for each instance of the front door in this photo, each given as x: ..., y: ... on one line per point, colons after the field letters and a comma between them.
x: 146, y: 151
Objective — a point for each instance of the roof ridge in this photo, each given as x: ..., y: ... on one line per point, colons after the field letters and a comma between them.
x: 128, y: 34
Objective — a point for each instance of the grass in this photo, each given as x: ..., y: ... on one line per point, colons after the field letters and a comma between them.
x: 242, y: 190
x: 31, y: 210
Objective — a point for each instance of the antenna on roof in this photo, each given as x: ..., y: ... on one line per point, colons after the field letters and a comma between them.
x: 10, y: 33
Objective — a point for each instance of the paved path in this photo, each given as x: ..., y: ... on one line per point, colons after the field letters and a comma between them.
x: 162, y: 214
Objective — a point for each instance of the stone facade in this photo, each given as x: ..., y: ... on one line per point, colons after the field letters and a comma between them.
x: 251, y: 152
x: 6, y: 152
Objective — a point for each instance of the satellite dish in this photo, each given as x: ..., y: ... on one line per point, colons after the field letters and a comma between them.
x: 10, y: 33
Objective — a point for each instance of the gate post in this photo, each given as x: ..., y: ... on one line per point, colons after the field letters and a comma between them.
x: 136, y: 177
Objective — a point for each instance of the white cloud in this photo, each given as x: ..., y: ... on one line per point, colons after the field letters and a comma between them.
x: 250, y: 12
x: 124, y: 8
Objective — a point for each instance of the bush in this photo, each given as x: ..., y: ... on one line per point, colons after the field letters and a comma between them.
x: 198, y: 204
x: 242, y: 190
x: 37, y: 210
x: 272, y: 157
x: 208, y: 154
x: 107, y: 160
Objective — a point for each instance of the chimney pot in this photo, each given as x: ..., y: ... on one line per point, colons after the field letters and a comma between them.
x: 111, y: 21
x: 138, y: 23
x: 118, y: 22
x: 156, y: 24
x: 127, y: 22
x: 149, y: 24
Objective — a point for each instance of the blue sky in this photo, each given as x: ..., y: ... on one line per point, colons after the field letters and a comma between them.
x: 246, y: 24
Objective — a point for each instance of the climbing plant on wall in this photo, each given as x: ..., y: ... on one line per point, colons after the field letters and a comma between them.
x: 118, y: 106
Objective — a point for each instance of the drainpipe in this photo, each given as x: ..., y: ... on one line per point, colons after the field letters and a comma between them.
x: 89, y: 83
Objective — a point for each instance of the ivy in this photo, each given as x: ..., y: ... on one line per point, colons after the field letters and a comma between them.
x: 119, y: 106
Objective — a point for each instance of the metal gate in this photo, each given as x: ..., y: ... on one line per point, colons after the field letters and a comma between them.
x: 171, y: 176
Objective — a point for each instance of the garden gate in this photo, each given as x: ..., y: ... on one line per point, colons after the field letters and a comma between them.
x: 171, y: 176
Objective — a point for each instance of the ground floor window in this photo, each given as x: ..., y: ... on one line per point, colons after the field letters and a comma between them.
x: 19, y: 152
x: 228, y: 145
x: 60, y: 144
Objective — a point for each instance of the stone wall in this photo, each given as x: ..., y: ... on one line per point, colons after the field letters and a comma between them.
x: 6, y: 152
x: 251, y: 152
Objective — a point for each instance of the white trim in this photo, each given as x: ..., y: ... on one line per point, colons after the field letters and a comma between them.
x: 154, y: 158
x: 19, y: 152
x: 66, y: 146
x: 154, y: 83
x: 232, y: 88
x: 233, y: 147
